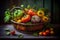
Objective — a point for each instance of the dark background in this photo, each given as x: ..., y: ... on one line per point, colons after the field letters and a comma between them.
x: 52, y: 5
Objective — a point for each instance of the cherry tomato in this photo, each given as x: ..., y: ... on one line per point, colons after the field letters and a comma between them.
x: 52, y: 32
x: 47, y: 31
x: 12, y: 32
x: 40, y: 33
x: 26, y: 18
x: 44, y: 33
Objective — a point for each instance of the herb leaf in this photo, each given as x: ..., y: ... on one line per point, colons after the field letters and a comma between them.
x: 7, y: 16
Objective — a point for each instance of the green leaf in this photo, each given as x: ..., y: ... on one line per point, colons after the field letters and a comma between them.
x: 15, y: 13
x: 20, y: 36
x: 28, y: 23
x: 7, y: 33
x: 35, y: 34
x: 7, y: 15
x: 7, y: 12
x: 7, y: 29
x: 28, y: 6
x: 7, y: 18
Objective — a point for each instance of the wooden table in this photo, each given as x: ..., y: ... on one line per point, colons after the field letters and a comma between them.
x: 10, y: 26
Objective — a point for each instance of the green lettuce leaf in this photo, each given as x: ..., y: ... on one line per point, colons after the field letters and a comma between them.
x: 7, y: 16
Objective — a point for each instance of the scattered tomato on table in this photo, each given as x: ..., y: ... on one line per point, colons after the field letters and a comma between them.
x: 51, y: 32
x: 40, y: 33
x: 47, y: 31
x: 12, y: 32
x: 44, y: 33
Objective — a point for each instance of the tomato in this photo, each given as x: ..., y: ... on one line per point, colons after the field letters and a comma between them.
x: 44, y: 33
x: 40, y: 33
x: 52, y: 32
x: 12, y: 32
x: 47, y: 31
x: 31, y: 12
x: 26, y: 18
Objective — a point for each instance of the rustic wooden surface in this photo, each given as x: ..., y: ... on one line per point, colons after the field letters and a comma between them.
x: 2, y: 35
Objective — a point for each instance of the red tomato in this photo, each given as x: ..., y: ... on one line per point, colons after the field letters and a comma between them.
x: 12, y: 32
x: 47, y: 31
x: 44, y: 33
x: 26, y: 18
x: 31, y: 13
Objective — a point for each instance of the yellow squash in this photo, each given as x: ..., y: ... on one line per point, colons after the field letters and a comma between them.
x: 40, y: 13
x: 45, y: 19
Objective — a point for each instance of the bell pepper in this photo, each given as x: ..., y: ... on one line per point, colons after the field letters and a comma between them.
x: 40, y: 13
x: 18, y: 13
x: 26, y: 18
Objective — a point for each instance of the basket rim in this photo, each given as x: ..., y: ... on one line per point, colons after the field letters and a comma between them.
x: 15, y: 8
x: 25, y: 24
